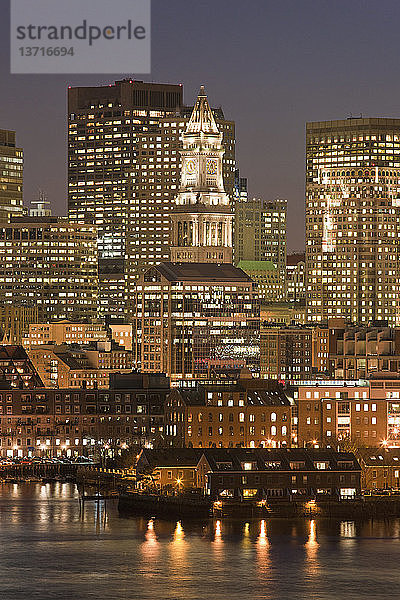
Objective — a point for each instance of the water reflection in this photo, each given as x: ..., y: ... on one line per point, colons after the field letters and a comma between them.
x: 218, y: 530
x: 347, y: 529
x: 262, y: 538
x: 263, y: 556
x: 217, y: 542
x: 311, y: 546
x: 150, y: 547
x: 97, y: 552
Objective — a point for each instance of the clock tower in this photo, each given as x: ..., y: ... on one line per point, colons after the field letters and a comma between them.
x: 202, y: 218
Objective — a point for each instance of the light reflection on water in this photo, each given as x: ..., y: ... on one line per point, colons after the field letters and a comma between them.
x: 49, y: 549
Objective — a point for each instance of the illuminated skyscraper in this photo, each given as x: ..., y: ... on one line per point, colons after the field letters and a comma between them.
x: 11, y: 176
x: 353, y: 220
x: 106, y: 124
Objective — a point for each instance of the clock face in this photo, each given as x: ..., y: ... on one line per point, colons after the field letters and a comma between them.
x: 191, y: 167
x: 211, y: 167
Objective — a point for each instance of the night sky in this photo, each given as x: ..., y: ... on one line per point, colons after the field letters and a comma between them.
x: 272, y: 66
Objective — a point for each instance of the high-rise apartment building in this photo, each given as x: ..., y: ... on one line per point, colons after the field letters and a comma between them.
x: 260, y: 231
x: 104, y: 132
x: 11, y: 176
x: 51, y: 263
x: 353, y: 220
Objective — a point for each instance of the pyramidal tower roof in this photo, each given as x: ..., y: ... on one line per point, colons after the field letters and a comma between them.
x: 202, y: 118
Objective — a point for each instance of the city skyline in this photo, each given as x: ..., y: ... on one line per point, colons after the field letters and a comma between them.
x: 270, y: 122
x: 199, y: 299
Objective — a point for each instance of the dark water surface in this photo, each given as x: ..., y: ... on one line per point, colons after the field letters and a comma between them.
x: 48, y: 550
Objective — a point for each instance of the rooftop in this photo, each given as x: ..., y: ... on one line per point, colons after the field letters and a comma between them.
x: 253, y: 397
x: 380, y: 457
x: 203, y: 272
x: 257, y: 265
x: 294, y: 259
x: 281, y: 459
x: 169, y: 457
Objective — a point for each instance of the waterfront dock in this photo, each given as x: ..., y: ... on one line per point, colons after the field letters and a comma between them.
x: 45, y: 472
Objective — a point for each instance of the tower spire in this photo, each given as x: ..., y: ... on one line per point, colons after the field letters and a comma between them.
x: 202, y: 118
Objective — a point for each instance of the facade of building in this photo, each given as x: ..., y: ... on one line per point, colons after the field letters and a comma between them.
x: 324, y: 337
x: 260, y: 231
x: 320, y: 348
x: 121, y: 333
x: 240, y: 193
x: 229, y: 415
x: 104, y: 131
x: 295, y: 278
x: 243, y: 474
x: 75, y: 422
x: 283, y: 312
x: 271, y: 285
x: 15, y: 321
x: 171, y: 469
x: 291, y: 474
x: 359, y: 352
x: 11, y: 176
x: 73, y: 366
x: 359, y: 413
x: 380, y: 469
x: 63, y: 332
x: 40, y: 207
x: 285, y: 352
x: 51, y: 263
x: 353, y: 220
x: 190, y: 318
x: 201, y: 221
